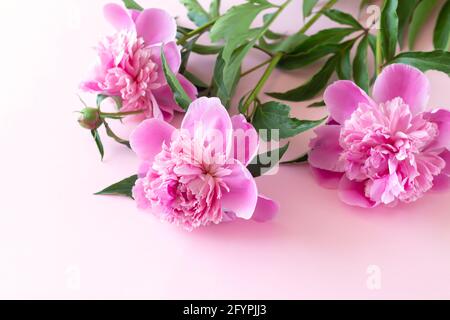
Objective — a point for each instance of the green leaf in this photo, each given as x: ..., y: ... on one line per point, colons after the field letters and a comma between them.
x: 300, y: 60
x: 223, y: 88
x: 206, y: 50
x: 312, y: 87
x: 131, y: 4
x: 195, y: 80
x: 441, y: 36
x: 180, y: 96
x: 196, y: 13
x: 342, y: 18
x: 275, y: 116
x: 420, y: 16
x: 360, y: 65
x: 344, y: 66
x: 434, y: 60
x: 98, y: 142
x: 214, y: 8
x: 121, y: 188
x: 323, y: 37
x: 317, y: 104
x: 112, y: 135
x: 405, y: 11
x: 266, y: 161
x: 301, y: 159
x: 285, y: 45
x: 389, y: 28
x: 234, y: 26
x: 308, y: 6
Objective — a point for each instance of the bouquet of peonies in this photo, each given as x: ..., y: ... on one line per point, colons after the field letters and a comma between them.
x: 380, y: 144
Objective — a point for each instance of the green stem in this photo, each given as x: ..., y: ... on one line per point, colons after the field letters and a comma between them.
x: 197, y: 31
x: 256, y: 67
x: 378, y: 54
x: 316, y: 17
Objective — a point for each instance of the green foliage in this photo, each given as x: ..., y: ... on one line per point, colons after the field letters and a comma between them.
x: 441, y: 38
x: 121, y: 188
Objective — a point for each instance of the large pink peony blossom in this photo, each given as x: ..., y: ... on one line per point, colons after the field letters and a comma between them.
x: 129, y: 62
x: 383, y: 150
x: 197, y: 175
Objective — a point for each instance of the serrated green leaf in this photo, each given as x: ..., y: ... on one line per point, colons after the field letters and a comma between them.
x: 389, y: 28
x: 434, y: 60
x: 131, y: 4
x: 121, y: 188
x: 275, y: 116
x: 98, y: 142
x: 196, y: 13
x: 342, y: 18
x: 180, y: 96
x: 309, y: 90
x: 405, y: 11
x: 360, y: 65
x: 266, y: 161
x: 234, y: 26
x: 441, y: 37
x: 308, y: 6
x: 420, y: 16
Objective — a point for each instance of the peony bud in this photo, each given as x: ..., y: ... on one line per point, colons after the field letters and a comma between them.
x: 90, y: 118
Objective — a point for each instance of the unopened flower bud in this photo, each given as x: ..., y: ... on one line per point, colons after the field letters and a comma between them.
x: 90, y: 118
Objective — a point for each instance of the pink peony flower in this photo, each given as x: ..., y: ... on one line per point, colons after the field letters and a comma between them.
x: 386, y: 150
x: 197, y: 175
x: 129, y: 62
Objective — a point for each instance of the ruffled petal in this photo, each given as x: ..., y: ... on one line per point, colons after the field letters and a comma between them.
x: 353, y: 193
x: 208, y: 120
x: 117, y: 16
x: 266, y: 209
x: 342, y: 98
x: 404, y: 81
x: 243, y: 194
x: 326, y: 150
x: 442, y: 119
x: 245, y: 140
x: 139, y: 195
x: 147, y: 139
x: 156, y: 26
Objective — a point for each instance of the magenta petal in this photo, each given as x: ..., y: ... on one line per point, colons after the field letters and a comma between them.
x: 401, y: 80
x: 325, y: 178
x: 325, y: 149
x: 245, y: 140
x: 156, y: 26
x: 117, y: 16
x: 353, y: 193
x: 165, y: 99
x: 441, y: 183
x: 342, y: 98
x: 442, y: 119
x: 243, y: 194
x: 446, y: 156
x: 173, y: 56
x: 208, y: 120
x: 266, y: 209
x: 139, y: 195
x: 147, y: 139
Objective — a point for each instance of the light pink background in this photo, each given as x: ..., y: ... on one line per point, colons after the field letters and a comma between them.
x: 57, y: 240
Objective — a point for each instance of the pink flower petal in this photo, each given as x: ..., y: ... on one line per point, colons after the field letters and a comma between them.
x: 266, y: 209
x: 156, y: 26
x: 243, y: 194
x: 208, y: 120
x: 342, y: 98
x: 139, y: 196
x: 245, y: 140
x: 442, y: 118
x: 172, y: 54
x: 325, y: 178
x: 400, y: 80
x: 117, y: 16
x: 147, y: 139
x: 325, y: 149
x: 446, y: 156
x: 353, y: 193
x: 165, y: 100
x: 441, y: 183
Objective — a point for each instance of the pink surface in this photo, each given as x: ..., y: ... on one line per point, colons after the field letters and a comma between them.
x: 59, y: 241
